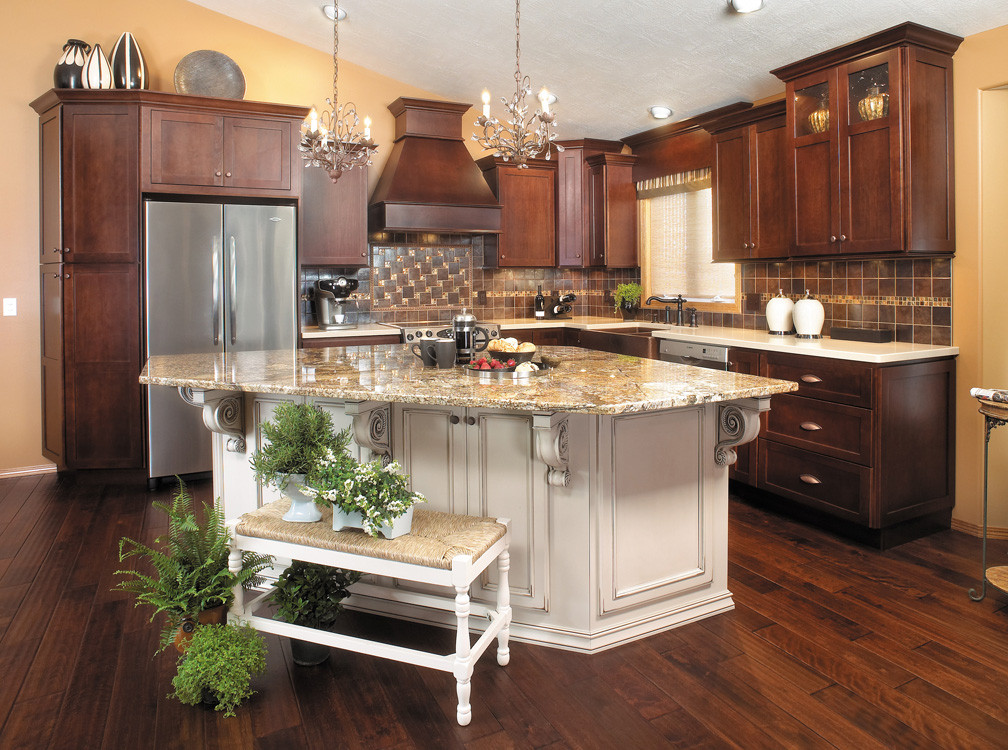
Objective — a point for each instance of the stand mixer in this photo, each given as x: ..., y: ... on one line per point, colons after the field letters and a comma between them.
x: 329, y: 298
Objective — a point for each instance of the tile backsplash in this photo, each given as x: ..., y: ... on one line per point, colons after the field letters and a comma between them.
x: 423, y: 277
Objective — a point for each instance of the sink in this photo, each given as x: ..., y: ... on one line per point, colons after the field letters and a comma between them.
x: 630, y: 330
x: 634, y: 340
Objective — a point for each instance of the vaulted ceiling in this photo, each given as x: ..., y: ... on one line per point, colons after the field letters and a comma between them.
x: 607, y: 62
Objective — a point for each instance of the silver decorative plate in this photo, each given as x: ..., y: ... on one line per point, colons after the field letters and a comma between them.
x: 207, y: 72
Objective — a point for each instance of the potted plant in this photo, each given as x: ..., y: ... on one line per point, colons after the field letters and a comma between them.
x: 218, y: 665
x: 298, y: 435
x: 367, y: 496
x: 627, y: 298
x: 310, y: 595
x: 190, y: 581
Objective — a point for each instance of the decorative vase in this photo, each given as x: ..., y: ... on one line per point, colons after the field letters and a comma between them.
x: 129, y: 70
x: 308, y: 653
x: 779, y: 314
x: 809, y: 317
x: 303, y: 508
x: 874, y: 106
x: 629, y: 309
x: 69, y: 71
x: 97, y: 71
x: 399, y: 526
x: 215, y: 616
x: 819, y: 120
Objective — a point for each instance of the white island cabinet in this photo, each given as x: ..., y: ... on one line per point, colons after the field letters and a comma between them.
x: 612, y: 470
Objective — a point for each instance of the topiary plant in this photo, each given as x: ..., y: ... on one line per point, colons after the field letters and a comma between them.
x: 310, y: 595
x: 219, y: 664
x: 627, y: 295
x: 298, y: 435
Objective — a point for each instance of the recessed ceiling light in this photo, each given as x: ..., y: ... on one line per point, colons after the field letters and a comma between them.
x: 330, y: 11
x: 660, y: 112
x: 745, y: 6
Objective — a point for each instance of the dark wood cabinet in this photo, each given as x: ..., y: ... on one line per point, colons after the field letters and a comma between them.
x: 613, y: 203
x: 574, y: 208
x: 317, y: 343
x: 544, y: 336
x: 869, y: 146
x: 528, y: 213
x: 748, y: 184
x: 333, y: 219
x: 745, y: 361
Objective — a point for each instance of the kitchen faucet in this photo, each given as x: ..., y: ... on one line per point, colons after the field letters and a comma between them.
x: 679, y: 300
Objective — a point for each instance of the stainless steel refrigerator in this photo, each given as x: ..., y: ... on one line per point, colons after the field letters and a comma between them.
x: 217, y: 278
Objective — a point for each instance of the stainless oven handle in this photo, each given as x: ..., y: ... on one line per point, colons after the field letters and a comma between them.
x: 232, y: 302
x: 215, y: 311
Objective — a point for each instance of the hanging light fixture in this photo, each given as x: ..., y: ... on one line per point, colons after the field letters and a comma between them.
x: 522, y: 137
x: 331, y: 140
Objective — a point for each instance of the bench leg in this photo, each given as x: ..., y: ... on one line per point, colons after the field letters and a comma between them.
x: 463, y: 669
x: 503, y: 607
x: 235, y: 566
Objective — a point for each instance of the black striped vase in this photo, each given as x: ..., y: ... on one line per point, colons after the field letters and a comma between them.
x: 97, y: 71
x: 129, y: 70
x: 69, y: 71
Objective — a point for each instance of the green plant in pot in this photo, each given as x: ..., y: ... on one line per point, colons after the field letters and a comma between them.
x: 218, y: 665
x: 190, y: 581
x: 367, y: 496
x: 298, y: 436
x: 627, y: 298
x: 311, y: 595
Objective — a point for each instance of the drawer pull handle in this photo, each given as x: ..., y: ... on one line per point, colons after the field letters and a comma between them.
x: 809, y: 479
x: 810, y: 426
x: 810, y: 379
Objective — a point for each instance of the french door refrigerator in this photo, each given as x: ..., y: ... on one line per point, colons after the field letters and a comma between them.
x: 217, y: 278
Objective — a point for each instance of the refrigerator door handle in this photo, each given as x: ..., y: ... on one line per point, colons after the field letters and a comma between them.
x: 232, y: 302
x: 215, y: 311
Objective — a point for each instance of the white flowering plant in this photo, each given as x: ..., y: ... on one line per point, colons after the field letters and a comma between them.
x: 379, y: 493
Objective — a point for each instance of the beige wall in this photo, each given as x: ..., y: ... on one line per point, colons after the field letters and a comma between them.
x: 980, y: 268
x: 275, y: 69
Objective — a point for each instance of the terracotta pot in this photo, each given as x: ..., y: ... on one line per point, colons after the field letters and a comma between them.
x: 215, y: 616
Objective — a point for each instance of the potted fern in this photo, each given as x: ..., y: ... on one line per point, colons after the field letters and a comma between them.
x: 298, y: 435
x: 627, y: 298
x: 190, y: 581
x: 311, y: 595
x: 216, y: 669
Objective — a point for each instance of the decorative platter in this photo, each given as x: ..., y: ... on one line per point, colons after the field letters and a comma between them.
x: 207, y: 72
x: 508, y: 374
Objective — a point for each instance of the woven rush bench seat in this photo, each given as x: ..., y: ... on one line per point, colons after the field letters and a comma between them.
x: 442, y: 548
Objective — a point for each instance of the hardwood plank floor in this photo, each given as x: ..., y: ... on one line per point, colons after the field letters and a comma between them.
x: 831, y: 645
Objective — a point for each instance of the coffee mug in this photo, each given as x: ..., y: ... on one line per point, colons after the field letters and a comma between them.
x: 444, y: 353
x: 425, y: 350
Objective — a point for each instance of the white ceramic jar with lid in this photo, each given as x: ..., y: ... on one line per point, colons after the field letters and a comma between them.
x: 779, y: 314
x: 809, y: 317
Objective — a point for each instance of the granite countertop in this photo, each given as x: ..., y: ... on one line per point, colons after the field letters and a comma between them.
x: 585, y: 381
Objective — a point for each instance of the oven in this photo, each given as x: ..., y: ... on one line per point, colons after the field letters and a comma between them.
x: 411, y: 332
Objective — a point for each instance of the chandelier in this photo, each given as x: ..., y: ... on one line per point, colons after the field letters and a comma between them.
x: 331, y: 140
x: 521, y: 137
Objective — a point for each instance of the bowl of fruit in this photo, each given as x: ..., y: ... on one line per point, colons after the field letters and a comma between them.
x: 510, y: 348
x: 492, y: 363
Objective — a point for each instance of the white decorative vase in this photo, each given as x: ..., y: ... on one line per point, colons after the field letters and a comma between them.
x: 779, y: 314
x: 97, y: 71
x: 398, y: 527
x: 303, y: 508
x: 809, y: 317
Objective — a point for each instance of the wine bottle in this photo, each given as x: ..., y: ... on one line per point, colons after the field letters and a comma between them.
x: 539, y: 305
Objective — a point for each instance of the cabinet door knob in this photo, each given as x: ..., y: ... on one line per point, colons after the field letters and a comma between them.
x: 470, y: 420
x: 227, y: 174
x: 832, y: 238
x: 55, y: 250
x: 66, y: 250
x: 810, y: 426
x: 453, y: 419
x: 578, y: 255
x: 66, y: 275
x: 364, y: 254
x: 810, y: 479
x: 55, y: 275
x: 217, y: 173
x: 843, y: 237
x: 810, y: 379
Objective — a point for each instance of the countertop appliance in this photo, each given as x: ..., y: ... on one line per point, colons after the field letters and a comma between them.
x: 329, y: 298
x: 217, y: 278
x: 711, y: 356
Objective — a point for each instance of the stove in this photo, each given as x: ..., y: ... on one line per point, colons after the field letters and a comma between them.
x: 411, y: 332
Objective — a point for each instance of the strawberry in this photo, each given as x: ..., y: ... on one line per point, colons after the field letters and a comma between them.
x: 484, y: 366
x: 510, y: 363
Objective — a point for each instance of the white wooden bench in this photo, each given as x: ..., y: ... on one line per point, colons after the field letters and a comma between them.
x: 441, y: 549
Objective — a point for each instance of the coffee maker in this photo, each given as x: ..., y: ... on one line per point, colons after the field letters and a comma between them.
x: 470, y: 338
x: 329, y: 297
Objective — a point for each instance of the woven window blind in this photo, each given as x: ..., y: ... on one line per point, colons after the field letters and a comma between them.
x: 676, y: 235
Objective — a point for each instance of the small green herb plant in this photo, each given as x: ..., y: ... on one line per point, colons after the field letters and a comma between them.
x: 298, y: 435
x: 379, y: 493
x: 628, y: 293
x: 309, y: 594
x: 220, y: 662
x: 190, y: 565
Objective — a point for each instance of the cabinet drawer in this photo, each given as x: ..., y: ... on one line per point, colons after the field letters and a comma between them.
x: 837, y: 487
x: 828, y: 379
x: 836, y: 430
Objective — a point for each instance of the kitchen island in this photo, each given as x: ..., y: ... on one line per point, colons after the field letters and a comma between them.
x: 612, y: 469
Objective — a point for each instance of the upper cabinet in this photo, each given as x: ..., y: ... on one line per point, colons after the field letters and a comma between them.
x: 749, y: 186
x: 613, y: 201
x: 333, y: 218
x: 528, y: 212
x: 869, y: 146
x: 574, y: 209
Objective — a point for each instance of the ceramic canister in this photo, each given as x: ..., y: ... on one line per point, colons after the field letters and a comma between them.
x: 809, y: 317
x: 779, y: 314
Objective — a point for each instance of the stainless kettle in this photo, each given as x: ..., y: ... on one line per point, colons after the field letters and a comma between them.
x: 469, y: 337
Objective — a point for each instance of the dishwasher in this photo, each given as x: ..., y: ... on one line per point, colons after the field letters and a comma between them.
x: 711, y: 356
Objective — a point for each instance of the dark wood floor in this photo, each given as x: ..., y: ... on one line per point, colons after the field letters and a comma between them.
x: 830, y: 644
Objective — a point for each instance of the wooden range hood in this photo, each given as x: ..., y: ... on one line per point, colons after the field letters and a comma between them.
x: 430, y: 182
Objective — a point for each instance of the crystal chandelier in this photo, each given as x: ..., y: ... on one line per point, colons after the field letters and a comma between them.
x: 522, y: 137
x: 331, y: 140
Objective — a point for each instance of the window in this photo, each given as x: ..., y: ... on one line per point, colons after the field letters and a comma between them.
x: 676, y: 243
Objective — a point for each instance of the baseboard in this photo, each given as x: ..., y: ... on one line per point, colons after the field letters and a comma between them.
x: 27, y: 470
x: 975, y: 529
